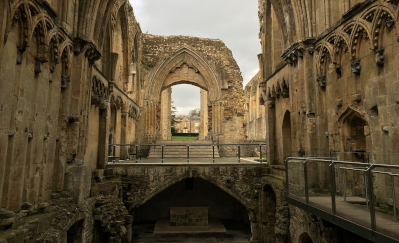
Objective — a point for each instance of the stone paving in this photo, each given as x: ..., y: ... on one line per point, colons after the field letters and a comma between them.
x: 237, y: 232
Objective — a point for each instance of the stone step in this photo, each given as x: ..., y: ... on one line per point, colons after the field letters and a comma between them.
x: 182, y: 156
x: 184, y: 142
x: 181, y: 151
x: 184, y: 149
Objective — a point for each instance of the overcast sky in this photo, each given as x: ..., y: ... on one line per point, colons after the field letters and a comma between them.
x: 235, y: 22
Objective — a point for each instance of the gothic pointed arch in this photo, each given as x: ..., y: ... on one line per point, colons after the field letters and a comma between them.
x: 160, y: 188
x: 197, y: 72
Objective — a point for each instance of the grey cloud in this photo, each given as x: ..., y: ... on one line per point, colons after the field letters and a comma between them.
x: 235, y: 22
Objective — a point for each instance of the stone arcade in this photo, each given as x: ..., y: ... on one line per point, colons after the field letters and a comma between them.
x: 77, y: 76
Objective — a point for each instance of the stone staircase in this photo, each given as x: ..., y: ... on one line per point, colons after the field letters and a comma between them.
x: 174, y: 151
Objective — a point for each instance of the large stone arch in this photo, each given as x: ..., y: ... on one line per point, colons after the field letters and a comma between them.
x: 161, y: 187
x: 160, y: 78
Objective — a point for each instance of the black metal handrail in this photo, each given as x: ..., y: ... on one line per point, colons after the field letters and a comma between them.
x: 239, y: 145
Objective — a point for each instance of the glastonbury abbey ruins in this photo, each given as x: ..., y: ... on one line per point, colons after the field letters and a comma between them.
x: 83, y: 90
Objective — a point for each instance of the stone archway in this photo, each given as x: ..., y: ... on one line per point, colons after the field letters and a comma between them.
x: 286, y: 133
x: 185, y: 66
x: 305, y: 238
x: 355, y: 133
x: 193, y: 194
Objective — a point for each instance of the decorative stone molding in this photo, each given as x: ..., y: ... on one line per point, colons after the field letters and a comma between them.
x: 322, y: 80
x: 379, y: 57
x: 355, y: 65
x: 65, y: 80
x: 39, y: 61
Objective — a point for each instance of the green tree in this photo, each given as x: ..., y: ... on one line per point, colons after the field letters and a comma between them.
x: 173, y: 121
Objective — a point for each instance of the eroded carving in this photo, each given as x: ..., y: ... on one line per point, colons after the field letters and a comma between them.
x: 355, y: 65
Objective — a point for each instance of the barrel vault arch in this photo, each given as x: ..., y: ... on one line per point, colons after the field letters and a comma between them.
x: 166, y: 184
x: 183, y: 56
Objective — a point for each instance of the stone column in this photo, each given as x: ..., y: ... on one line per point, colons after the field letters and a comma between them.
x: 123, y: 149
x: 255, y: 230
x: 105, y: 113
x: 204, y: 115
x: 270, y: 131
x: 310, y: 98
x: 166, y: 117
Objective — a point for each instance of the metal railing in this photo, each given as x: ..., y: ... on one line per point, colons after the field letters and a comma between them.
x: 337, y: 170
x: 214, y: 146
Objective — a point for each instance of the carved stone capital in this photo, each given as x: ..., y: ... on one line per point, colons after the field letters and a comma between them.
x: 322, y: 80
x: 355, y: 65
x: 39, y: 61
x: 65, y: 80
x: 379, y: 57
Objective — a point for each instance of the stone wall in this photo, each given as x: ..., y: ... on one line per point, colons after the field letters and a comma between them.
x: 206, y: 63
x: 332, y: 88
x: 65, y: 69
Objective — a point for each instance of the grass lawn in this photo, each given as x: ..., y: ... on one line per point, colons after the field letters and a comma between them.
x: 180, y: 138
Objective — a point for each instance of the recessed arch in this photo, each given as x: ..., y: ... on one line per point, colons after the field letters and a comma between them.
x: 305, y: 238
x: 173, y: 181
x: 286, y: 133
x: 354, y: 134
x: 184, y: 57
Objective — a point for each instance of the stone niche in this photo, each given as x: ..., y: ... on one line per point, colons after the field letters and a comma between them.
x: 189, y: 216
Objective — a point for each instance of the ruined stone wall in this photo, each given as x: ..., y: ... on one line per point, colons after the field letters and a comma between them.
x: 206, y: 63
x: 55, y: 110
x: 336, y: 89
x: 254, y: 111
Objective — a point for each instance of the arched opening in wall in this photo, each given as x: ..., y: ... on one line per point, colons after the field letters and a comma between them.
x: 305, y: 238
x: 286, y: 133
x: 269, y: 213
x: 193, y: 206
x: 355, y: 129
x: 183, y: 113
x: 74, y: 233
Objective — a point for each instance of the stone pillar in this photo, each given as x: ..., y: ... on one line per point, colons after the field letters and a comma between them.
x: 105, y: 113
x: 255, y: 229
x: 310, y: 98
x: 123, y: 149
x: 166, y: 117
x: 270, y: 131
x: 204, y: 115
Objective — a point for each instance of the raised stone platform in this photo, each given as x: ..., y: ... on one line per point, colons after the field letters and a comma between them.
x: 189, y: 216
x: 214, y: 226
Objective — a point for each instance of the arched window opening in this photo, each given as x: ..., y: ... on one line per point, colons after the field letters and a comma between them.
x: 286, y: 132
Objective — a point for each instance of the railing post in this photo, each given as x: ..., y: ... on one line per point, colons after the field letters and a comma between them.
x: 113, y: 153
x: 188, y: 153
x: 344, y: 179
x: 393, y: 197
x: 333, y: 187
x: 260, y: 151
x: 371, y: 197
x: 305, y: 174
x: 162, y: 152
x: 213, y: 153
x: 287, y: 176
x: 239, y: 154
x: 137, y: 153
x: 365, y: 186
